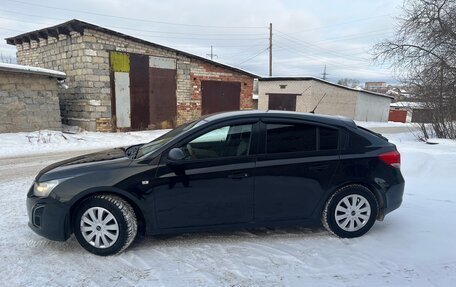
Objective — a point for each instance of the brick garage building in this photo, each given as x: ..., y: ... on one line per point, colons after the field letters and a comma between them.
x: 121, y: 82
x: 28, y: 98
x: 303, y: 94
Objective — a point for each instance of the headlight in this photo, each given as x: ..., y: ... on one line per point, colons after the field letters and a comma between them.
x: 42, y: 189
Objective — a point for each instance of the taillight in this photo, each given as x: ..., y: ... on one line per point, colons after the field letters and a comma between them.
x: 392, y: 158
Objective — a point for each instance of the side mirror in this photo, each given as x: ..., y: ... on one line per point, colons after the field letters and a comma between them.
x: 175, y: 155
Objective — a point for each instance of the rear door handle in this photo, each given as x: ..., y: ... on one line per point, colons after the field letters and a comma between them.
x: 238, y: 175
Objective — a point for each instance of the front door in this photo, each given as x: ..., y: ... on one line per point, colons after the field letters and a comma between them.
x: 213, y: 185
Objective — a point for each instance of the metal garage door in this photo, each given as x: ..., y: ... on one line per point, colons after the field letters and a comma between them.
x: 144, y: 90
x: 397, y: 116
x: 282, y: 102
x: 218, y: 96
x: 139, y: 91
x: 162, y: 94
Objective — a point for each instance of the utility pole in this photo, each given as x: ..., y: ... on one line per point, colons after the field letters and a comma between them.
x: 324, y: 73
x: 270, y: 49
x: 212, y: 54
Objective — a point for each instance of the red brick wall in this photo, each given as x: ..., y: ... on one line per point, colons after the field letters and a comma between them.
x: 201, y: 71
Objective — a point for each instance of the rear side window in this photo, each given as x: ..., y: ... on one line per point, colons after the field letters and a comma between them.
x: 285, y: 138
x: 329, y: 138
x: 289, y: 138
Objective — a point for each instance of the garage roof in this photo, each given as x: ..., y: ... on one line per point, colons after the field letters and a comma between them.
x: 79, y: 26
x: 32, y: 70
x: 309, y: 78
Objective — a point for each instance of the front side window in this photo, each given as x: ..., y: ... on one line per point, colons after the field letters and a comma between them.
x: 227, y: 141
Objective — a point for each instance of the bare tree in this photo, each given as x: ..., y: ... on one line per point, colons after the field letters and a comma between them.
x: 423, y: 53
x: 6, y: 59
x: 351, y: 83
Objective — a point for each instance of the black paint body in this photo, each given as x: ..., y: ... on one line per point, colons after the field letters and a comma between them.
x: 258, y: 189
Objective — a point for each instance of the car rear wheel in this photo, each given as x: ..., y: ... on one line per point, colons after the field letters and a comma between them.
x: 350, y: 212
x: 105, y: 224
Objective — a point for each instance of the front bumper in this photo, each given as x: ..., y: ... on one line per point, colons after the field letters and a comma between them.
x: 48, y: 217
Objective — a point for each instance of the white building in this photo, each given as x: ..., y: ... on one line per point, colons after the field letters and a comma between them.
x: 304, y: 94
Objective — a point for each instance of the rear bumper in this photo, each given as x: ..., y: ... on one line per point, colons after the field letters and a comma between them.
x: 393, y: 198
x: 48, y: 218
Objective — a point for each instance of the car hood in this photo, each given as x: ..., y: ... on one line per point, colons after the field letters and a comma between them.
x: 84, y: 164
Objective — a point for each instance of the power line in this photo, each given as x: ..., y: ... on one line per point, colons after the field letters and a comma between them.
x: 309, y: 45
x: 239, y: 53
x: 345, y: 66
x: 133, y: 19
x: 135, y: 29
x: 341, y: 23
x: 351, y: 57
x: 165, y: 37
x: 212, y: 55
x: 324, y: 74
x: 254, y: 56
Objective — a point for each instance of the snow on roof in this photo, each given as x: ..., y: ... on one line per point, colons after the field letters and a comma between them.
x: 307, y: 78
x: 31, y: 70
x: 410, y: 105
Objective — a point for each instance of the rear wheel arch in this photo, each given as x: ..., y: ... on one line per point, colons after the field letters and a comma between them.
x: 378, y: 195
x: 365, y: 213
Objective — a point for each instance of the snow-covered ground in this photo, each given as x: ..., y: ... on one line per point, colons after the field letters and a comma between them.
x: 45, y: 141
x: 413, y: 246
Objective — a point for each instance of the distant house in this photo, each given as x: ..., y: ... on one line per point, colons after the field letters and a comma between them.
x: 409, y: 112
x: 119, y: 82
x: 28, y: 98
x: 377, y: 87
x: 305, y: 94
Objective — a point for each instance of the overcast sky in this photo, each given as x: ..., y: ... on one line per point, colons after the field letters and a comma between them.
x: 307, y: 35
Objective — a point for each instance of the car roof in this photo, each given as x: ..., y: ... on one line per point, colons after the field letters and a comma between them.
x: 324, y: 119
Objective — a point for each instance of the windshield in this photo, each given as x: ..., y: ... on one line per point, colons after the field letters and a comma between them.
x: 162, y: 140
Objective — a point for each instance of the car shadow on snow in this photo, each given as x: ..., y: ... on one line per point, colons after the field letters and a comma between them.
x: 237, y: 236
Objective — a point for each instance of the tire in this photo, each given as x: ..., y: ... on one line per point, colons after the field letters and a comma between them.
x: 105, y: 224
x: 350, y: 212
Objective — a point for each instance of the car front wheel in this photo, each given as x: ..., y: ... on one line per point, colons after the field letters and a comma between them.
x: 105, y: 224
x: 350, y: 212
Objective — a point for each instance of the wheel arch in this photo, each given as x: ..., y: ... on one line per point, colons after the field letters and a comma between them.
x: 130, y: 199
x: 372, y: 188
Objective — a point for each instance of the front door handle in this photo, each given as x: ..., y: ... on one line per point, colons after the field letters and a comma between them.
x: 238, y: 175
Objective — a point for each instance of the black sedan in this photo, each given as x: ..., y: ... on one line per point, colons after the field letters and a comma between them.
x: 230, y: 170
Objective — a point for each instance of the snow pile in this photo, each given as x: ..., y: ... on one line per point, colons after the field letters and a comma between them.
x: 45, y: 141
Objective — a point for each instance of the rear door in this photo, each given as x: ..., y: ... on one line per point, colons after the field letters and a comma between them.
x: 295, y: 166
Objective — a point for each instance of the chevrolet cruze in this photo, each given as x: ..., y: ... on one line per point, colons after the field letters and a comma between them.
x: 240, y: 169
